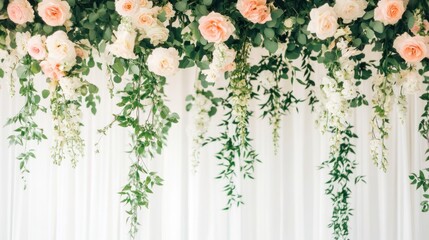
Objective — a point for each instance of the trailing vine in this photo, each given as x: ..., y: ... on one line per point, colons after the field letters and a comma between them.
x: 341, y: 169
x: 145, y: 113
x: 237, y: 150
x: 421, y: 178
x: 28, y: 130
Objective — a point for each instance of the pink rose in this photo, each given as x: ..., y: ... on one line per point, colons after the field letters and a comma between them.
x: 51, y: 70
x: 389, y: 11
x: 20, y: 11
x: 255, y: 11
x: 215, y: 27
x: 411, y: 49
x: 54, y: 12
x: 36, y: 47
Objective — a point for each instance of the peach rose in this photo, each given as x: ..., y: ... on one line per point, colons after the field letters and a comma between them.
x: 255, y: 11
x: 20, y: 11
x: 169, y: 11
x: 54, y: 12
x: 127, y: 8
x: 324, y: 22
x: 215, y: 27
x: 411, y: 49
x: 36, y: 47
x: 51, y: 70
x: 389, y: 11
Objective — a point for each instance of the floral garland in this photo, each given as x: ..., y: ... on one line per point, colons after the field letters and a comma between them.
x: 140, y: 44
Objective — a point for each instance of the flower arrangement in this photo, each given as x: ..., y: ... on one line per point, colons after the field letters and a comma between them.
x: 139, y: 44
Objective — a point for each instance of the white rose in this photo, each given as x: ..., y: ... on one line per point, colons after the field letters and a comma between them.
x: 124, y: 44
x: 413, y: 83
x: 324, y: 22
x: 163, y: 61
x: 157, y: 34
x: 61, y: 50
x: 21, y: 40
x: 350, y: 10
x: 69, y: 85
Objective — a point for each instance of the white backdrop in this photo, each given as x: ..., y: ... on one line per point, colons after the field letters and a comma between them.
x: 285, y: 202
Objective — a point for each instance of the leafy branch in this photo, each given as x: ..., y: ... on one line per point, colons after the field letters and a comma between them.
x: 145, y: 113
x: 27, y: 130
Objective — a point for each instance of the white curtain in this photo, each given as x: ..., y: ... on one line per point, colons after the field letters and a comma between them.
x: 285, y: 201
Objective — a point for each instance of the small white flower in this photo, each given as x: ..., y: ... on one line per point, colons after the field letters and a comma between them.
x: 69, y: 85
x: 413, y: 83
x: 21, y: 40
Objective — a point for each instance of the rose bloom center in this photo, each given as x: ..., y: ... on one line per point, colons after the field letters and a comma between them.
x: 393, y: 11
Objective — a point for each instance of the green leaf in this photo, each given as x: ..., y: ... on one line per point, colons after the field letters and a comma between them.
x: 378, y: 27
x: 269, y: 33
x: 45, y: 93
x: 92, y: 88
x: 276, y: 13
x: 180, y: 6
x: 207, y: 2
x: 118, y: 67
x: 302, y: 39
x: 270, y: 45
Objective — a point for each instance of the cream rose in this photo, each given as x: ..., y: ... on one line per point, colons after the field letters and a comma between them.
x: 124, y: 44
x: 389, y: 11
x: 169, y: 11
x: 36, y: 47
x: 255, y: 11
x: 146, y: 4
x: 144, y: 18
x: 127, y: 8
x: 350, y: 10
x: 20, y: 11
x: 54, y: 12
x: 411, y: 49
x: 163, y: 61
x: 215, y: 27
x: 324, y: 22
x: 157, y: 34
x: 61, y: 50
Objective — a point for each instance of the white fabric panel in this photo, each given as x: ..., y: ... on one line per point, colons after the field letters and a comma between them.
x: 285, y: 201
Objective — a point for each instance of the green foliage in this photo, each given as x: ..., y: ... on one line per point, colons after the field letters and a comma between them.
x: 27, y: 130
x: 341, y: 169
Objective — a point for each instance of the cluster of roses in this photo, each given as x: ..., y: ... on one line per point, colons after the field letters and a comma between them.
x: 324, y: 23
x: 56, y: 54
x: 141, y: 20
